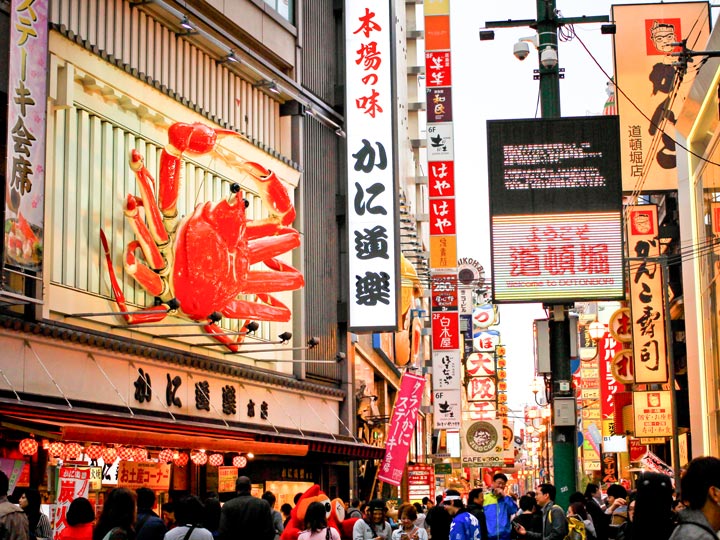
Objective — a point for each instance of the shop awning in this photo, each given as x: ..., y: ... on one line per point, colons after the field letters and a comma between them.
x: 86, y: 425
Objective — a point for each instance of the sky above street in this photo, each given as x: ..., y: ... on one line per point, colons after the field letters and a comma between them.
x: 488, y: 82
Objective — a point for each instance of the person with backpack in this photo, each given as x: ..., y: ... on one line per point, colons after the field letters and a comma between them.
x: 554, y: 522
x: 580, y: 526
x: 13, y: 521
x: 189, y: 513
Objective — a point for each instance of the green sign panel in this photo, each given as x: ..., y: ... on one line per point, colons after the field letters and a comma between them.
x: 443, y: 468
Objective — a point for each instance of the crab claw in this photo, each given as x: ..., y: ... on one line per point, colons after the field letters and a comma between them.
x: 195, y: 138
x: 272, y: 191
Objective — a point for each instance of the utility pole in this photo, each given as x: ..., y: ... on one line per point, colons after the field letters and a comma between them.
x: 549, y: 74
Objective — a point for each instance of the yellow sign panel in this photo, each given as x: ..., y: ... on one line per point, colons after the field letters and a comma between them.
x: 652, y: 412
x: 226, y: 479
x: 155, y: 476
x: 443, y: 251
x: 437, y: 7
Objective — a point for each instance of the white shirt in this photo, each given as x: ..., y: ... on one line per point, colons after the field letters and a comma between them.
x: 362, y: 531
x: 178, y: 533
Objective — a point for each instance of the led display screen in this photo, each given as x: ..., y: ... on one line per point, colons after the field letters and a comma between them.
x: 555, y: 209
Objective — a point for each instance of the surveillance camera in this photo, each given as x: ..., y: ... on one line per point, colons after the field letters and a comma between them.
x: 549, y: 57
x: 521, y: 50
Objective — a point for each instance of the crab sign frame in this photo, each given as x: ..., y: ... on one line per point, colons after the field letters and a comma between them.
x: 198, y: 267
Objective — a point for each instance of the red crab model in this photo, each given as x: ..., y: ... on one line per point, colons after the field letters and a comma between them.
x: 198, y: 267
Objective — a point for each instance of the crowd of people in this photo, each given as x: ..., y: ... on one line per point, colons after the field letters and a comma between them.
x: 651, y: 511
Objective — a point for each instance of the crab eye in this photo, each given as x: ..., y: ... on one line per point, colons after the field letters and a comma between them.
x: 235, y: 187
x: 247, y: 203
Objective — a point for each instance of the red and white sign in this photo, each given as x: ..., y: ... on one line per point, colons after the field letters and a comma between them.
x: 73, y: 482
x: 444, y: 292
x: 437, y: 68
x: 441, y: 179
x: 402, y: 426
x: 442, y: 216
x: 421, y: 482
x: 607, y: 349
x: 445, y: 330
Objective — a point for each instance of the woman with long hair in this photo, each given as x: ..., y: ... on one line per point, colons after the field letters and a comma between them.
x: 117, y: 516
x: 39, y: 524
x: 80, y: 517
x: 316, y: 527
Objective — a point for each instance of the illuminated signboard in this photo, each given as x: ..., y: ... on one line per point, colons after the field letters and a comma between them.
x: 555, y: 209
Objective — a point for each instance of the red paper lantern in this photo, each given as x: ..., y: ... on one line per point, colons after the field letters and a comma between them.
x: 109, y: 455
x: 125, y: 453
x: 181, y: 459
x: 199, y: 457
x: 216, y: 460
x: 166, y: 456
x: 239, y: 462
x: 28, y: 447
x: 72, y: 450
x: 56, y: 449
x: 140, y: 454
x: 94, y: 452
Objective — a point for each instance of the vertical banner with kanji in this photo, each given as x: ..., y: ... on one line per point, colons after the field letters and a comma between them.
x: 372, y: 187
x: 402, y: 426
x: 25, y: 185
x: 607, y: 349
x: 652, y: 92
x: 445, y: 306
x: 73, y: 482
x: 647, y: 305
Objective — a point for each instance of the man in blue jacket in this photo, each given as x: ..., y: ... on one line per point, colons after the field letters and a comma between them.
x: 499, y: 509
x: 464, y: 526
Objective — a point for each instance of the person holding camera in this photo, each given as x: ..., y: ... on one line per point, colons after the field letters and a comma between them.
x: 408, y: 530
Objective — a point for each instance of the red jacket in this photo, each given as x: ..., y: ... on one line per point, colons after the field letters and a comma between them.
x: 78, y: 532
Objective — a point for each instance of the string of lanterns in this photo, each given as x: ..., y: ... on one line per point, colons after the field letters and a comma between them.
x: 73, y: 450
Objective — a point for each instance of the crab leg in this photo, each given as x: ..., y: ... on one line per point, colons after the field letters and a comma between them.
x: 120, y: 297
x: 148, y: 280
x: 288, y: 279
x: 145, y: 238
x: 146, y: 183
x: 268, y: 247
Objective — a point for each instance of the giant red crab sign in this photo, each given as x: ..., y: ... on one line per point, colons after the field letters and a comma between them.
x: 198, y: 266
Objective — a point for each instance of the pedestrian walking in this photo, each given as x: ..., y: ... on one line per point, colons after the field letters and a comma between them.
x: 408, y: 529
x: 149, y: 525
x: 700, y: 490
x: 354, y: 510
x: 554, y: 522
x: 580, y: 526
x: 652, y: 516
x: 269, y: 496
x: 528, y: 517
x: 189, y: 514
x: 499, y: 509
x: 38, y: 523
x: 12, y: 519
x: 80, y: 518
x: 616, y: 505
x: 246, y: 516
x: 464, y: 526
x: 593, y: 505
x: 117, y: 517
x: 475, y: 507
x: 438, y: 522
x: 316, y: 527
x: 373, y: 526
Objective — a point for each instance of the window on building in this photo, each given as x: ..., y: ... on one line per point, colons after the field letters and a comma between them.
x: 286, y: 8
